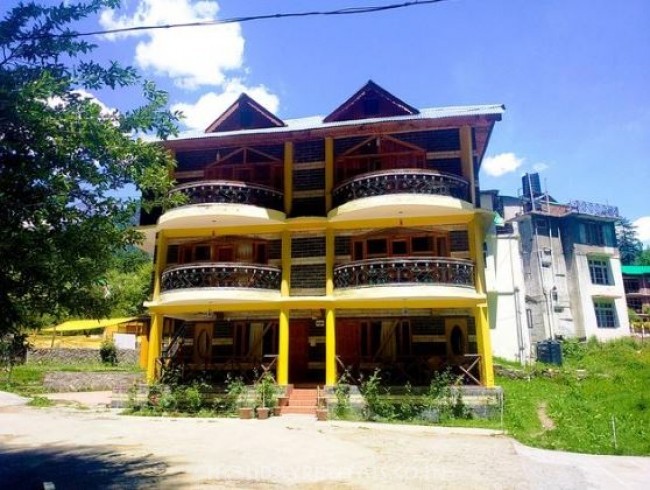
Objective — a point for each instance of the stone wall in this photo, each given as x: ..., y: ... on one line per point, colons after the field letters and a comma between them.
x: 64, y: 381
x: 76, y: 356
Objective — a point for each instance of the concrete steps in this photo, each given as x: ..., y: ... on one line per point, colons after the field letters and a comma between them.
x: 301, y: 401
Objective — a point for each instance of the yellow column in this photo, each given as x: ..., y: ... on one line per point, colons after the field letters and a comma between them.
x: 285, y: 286
x: 329, y: 172
x: 144, y: 349
x: 161, y: 255
x: 282, y: 373
x: 330, y: 253
x: 484, y: 346
x: 475, y: 238
x: 288, y: 176
x: 330, y: 347
x: 467, y: 159
x: 155, y: 341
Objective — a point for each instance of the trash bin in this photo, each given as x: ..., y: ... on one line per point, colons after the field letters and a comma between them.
x: 549, y: 352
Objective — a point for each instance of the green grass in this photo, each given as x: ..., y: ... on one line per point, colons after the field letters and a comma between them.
x: 615, y: 387
x: 27, y: 379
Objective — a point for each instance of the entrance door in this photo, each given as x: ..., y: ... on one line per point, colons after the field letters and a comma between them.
x: 456, y: 333
x: 347, y: 342
x: 202, y: 353
x: 298, y: 351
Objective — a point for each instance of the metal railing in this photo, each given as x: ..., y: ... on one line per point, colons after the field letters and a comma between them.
x: 231, y: 192
x: 382, y: 272
x: 401, y: 181
x: 221, y: 275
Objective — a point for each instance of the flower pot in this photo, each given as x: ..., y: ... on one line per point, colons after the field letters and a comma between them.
x: 245, y: 413
x: 283, y: 401
x: 277, y: 411
x: 263, y: 413
x: 321, y: 414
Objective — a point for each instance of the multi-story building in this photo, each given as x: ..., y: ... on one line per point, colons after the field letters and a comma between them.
x: 570, y: 265
x: 307, y: 246
x: 636, y: 279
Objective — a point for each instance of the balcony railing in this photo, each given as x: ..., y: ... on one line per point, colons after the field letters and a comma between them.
x: 231, y: 192
x: 221, y: 275
x: 401, y: 181
x: 384, y: 272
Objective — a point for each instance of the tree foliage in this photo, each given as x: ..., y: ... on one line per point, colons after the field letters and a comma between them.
x: 629, y: 245
x: 62, y: 157
x: 644, y: 257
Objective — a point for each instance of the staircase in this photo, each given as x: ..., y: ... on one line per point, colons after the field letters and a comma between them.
x: 301, y: 401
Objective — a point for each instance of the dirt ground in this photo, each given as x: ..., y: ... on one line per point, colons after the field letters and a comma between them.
x: 98, y: 448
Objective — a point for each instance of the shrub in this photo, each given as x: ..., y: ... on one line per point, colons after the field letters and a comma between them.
x: 108, y: 352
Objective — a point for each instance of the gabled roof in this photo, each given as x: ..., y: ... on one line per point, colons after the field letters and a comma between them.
x: 370, y: 101
x: 244, y: 113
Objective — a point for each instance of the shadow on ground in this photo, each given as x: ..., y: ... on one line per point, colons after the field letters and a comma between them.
x: 79, y: 467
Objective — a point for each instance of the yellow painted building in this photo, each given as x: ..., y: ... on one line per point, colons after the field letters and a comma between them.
x: 314, y: 245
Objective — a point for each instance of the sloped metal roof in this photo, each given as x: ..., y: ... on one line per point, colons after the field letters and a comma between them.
x: 316, y: 122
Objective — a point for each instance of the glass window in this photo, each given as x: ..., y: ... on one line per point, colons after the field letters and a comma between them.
x: 422, y: 244
x: 172, y: 254
x: 202, y: 253
x: 605, y: 314
x: 399, y: 247
x: 377, y: 246
x: 599, y: 271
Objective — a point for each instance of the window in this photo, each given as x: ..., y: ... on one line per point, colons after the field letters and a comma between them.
x: 202, y: 253
x: 400, y: 247
x: 605, y: 314
x: 172, y: 254
x: 599, y: 271
x: 592, y: 234
x: 422, y: 244
x: 376, y: 246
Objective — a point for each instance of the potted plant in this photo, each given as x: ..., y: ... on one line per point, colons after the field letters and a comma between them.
x: 238, y: 396
x: 321, y: 408
x: 266, y: 390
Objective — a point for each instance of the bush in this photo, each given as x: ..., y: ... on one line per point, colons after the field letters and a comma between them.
x: 108, y: 352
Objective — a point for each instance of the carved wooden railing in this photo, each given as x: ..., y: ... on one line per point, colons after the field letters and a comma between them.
x: 221, y: 275
x: 383, y: 272
x: 401, y: 181
x: 231, y: 192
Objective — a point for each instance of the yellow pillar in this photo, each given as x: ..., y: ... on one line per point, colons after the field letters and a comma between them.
x: 330, y: 347
x: 155, y: 341
x: 285, y: 285
x: 484, y: 346
x: 329, y: 172
x: 144, y: 348
x: 475, y: 238
x: 330, y: 253
x: 288, y: 176
x: 282, y: 373
x: 467, y: 160
x: 160, y: 256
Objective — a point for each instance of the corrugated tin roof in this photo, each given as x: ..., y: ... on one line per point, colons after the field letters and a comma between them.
x: 316, y: 122
x: 635, y: 270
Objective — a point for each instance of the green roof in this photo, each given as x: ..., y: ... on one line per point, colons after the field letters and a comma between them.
x: 635, y: 270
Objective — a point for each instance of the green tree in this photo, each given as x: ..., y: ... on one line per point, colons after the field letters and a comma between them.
x: 128, y: 282
x: 62, y: 156
x: 629, y: 245
x: 644, y: 257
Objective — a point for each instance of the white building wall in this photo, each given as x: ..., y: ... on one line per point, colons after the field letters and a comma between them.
x: 506, y: 292
x: 585, y: 292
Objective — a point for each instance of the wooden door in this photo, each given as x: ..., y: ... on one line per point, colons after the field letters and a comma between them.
x: 347, y: 342
x: 202, y: 353
x: 298, y: 350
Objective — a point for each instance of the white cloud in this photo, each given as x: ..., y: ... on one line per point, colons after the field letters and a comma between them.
x: 191, y: 56
x: 643, y: 229
x: 210, y: 105
x: 501, y: 164
x: 540, y: 167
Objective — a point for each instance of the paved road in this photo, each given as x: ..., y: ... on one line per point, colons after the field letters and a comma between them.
x: 100, y: 449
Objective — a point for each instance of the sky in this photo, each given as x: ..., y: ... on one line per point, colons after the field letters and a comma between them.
x: 574, y: 76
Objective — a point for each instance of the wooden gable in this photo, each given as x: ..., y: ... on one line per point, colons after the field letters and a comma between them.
x: 244, y: 113
x: 371, y: 101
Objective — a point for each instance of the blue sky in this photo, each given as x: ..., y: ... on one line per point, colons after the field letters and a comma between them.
x: 574, y: 76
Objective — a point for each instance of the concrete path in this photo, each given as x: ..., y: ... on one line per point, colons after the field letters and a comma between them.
x: 10, y: 399
x: 101, y: 449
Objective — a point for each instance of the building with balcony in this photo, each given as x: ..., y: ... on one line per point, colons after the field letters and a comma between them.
x: 636, y: 279
x: 310, y: 246
x: 554, y: 271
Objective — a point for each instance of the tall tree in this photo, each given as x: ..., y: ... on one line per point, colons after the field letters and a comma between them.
x: 62, y: 156
x: 629, y: 245
x: 644, y: 257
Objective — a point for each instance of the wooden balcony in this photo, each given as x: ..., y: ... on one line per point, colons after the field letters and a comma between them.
x: 221, y: 275
x: 401, y: 181
x: 437, y: 271
x: 231, y: 192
